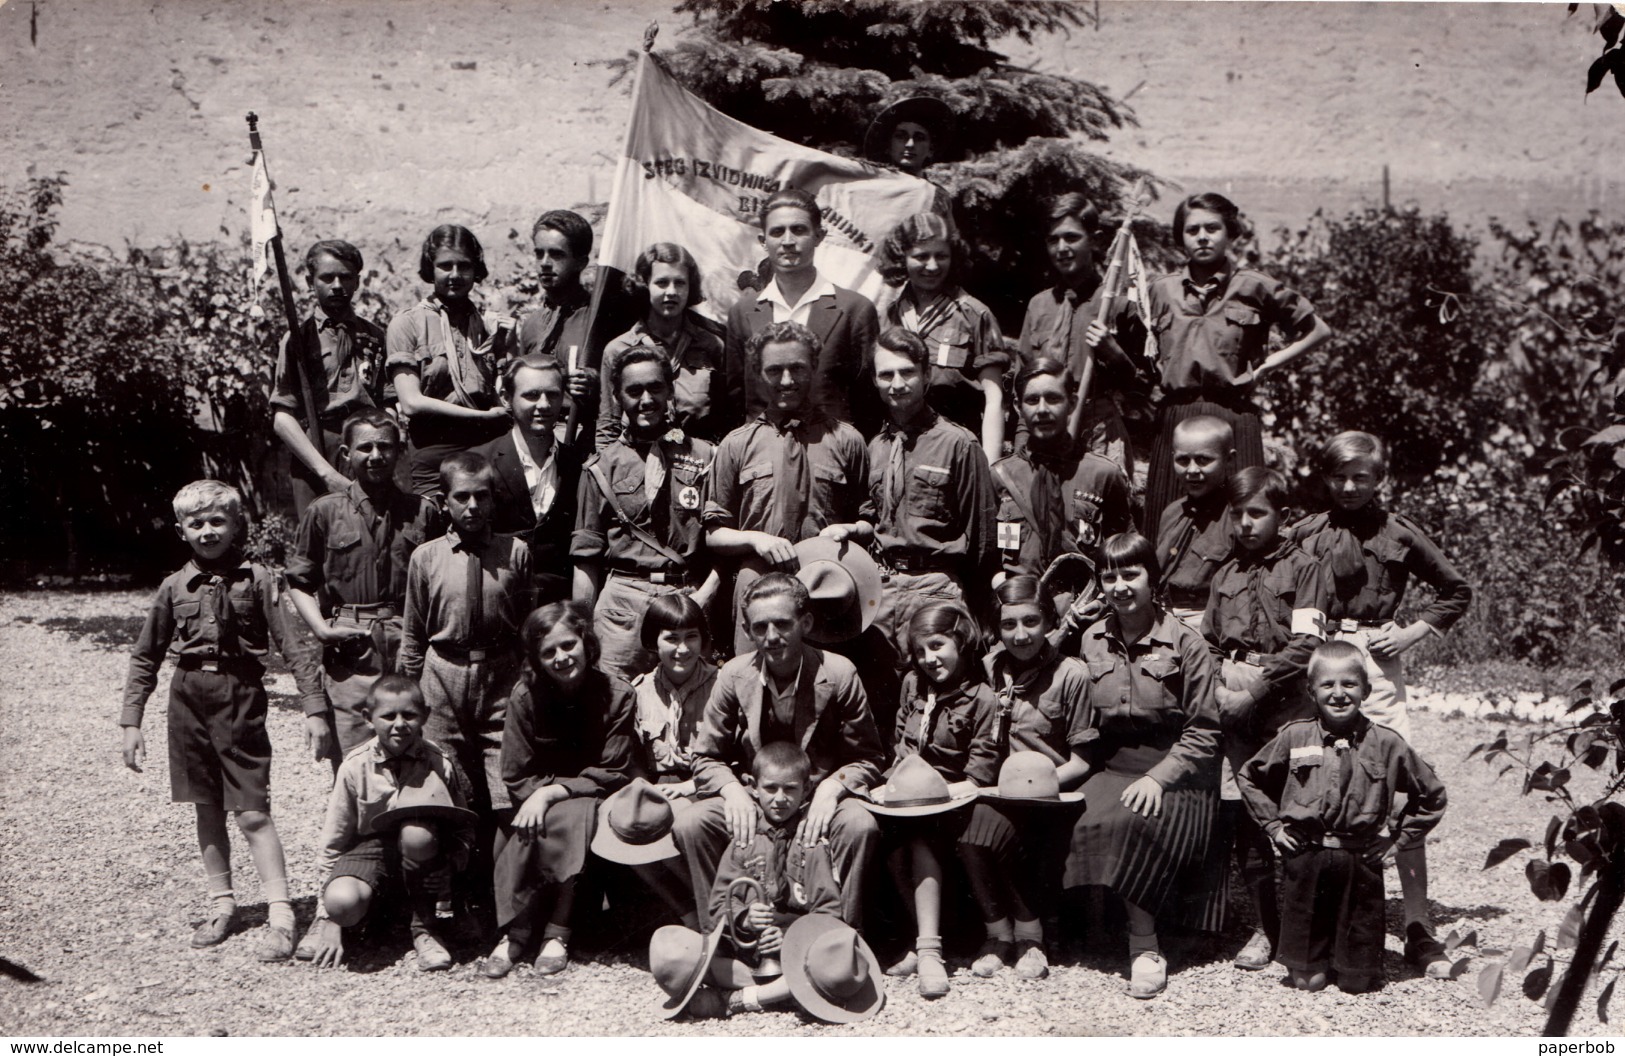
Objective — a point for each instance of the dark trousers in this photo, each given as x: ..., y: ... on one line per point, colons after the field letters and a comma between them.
x: 1331, y: 913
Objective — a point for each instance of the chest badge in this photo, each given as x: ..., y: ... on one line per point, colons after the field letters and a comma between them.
x: 688, y: 497
x: 1009, y: 537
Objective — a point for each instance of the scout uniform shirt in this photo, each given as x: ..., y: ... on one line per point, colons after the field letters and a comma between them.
x: 669, y: 717
x: 931, y: 500
x: 443, y: 581
x: 1269, y: 610
x: 1044, y: 708
x: 583, y: 742
x: 963, y: 339
x: 1316, y: 784
x: 553, y: 327
x: 791, y: 479
x: 349, y: 551
x: 955, y: 730
x: 699, y: 406
x: 218, y: 617
x: 1208, y: 334
x: 1372, y: 555
x: 351, y: 375
x: 659, y: 485
x: 1094, y: 504
x: 1154, y: 697
x: 795, y: 880
x: 1055, y: 324
x: 1194, y: 537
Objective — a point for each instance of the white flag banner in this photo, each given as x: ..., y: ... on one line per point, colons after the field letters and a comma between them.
x: 690, y: 174
x: 262, y: 226
x: 1138, y: 279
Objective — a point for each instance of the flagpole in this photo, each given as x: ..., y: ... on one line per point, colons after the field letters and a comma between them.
x: 589, y: 356
x: 296, y: 344
x: 1111, y: 300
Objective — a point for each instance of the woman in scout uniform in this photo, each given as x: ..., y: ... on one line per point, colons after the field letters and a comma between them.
x: 968, y: 361
x: 1044, y: 708
x: 1054, y: 497
x: 1212, y: 322
x: 666, y: 281
x: 1153, y: 766
x: 568, y: 743
x: 946, y: 748
x: 440, y: 355
x: 638, y: 531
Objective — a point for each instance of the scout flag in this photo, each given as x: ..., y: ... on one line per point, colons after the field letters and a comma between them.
x: 262, y: 226
x: 692, y: 175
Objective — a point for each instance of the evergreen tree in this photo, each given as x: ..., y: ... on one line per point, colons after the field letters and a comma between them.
x: 818, y: 71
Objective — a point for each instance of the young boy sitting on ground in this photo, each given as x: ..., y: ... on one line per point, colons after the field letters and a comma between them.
x: 397, y: 817
x: 220, y: 612
x: 1322, y: 790
x: 795, y: 879
x: 347, y: 570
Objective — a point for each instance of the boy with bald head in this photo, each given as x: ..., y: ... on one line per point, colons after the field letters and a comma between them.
x: 1193, y: 533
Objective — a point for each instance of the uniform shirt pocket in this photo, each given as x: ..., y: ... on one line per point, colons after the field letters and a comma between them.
x: 928, y: 493
x: 1373, y: 792
x: 188, y: 616
x: 756, y: 479
x: 950, y: 350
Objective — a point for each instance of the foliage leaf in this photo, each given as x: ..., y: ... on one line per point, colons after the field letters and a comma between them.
x: 1569, y: 931
x: 1603, y: 999
x: 1489, y: 984
x: 1519, y: 959
x: 1536, y: 982
x: 1504, y: 850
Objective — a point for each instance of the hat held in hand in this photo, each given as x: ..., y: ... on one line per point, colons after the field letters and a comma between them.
x: 679, y: 959
x: 832, y: 973
x: 843, y: 583
x: 1030, y: 777
x: 914, y: 790
x: 429, y: 800
x: 634, y: 826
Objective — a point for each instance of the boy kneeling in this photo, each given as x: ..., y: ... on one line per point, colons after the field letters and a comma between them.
x: 398, y: 818
x: 1322, y: 790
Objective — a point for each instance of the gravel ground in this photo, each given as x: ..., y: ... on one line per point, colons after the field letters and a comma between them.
x: 100, y: 887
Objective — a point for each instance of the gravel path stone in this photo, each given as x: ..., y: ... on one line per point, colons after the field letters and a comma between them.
x: 100, y: 887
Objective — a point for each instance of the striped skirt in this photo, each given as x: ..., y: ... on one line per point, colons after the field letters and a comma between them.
x: 1155, y: 863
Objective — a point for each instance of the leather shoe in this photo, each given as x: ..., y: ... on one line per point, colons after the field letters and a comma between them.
x: 1425, y: 951
x: 994, y: 954
x: 933, y: 981
x: 1256, y: 954
x: 275, y: 945
x: 213, y: 932
x: 1148, y: 976
x: 552, y: 964
x: 432, y: 956
x: 905, y: 967
x: 1031, y: 960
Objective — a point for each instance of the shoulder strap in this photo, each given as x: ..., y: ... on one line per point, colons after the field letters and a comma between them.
x: 1017, y: 496
x: 595, y: 467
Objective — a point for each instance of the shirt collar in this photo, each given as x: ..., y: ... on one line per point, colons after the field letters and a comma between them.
x: 522, y: 447
x: 1354, y: 736
x: 1161, y: 632
x: 921, y: 424
x: 765, y: 676
x: 1085, y: 288
x: 821, y: 287
x: 1212, y: 287
x: 417, y: 751
x: 457, y: 542
x: 578, y: 298
x: 696, y: 682
x: 195, y: 572
x: 328, y: 322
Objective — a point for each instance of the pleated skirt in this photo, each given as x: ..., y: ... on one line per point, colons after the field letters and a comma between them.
x: 1156, y: 863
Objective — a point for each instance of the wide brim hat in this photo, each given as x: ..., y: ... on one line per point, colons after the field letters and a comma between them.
x: 844, y: 584
x: 429, y: 800
x: 675, y: 946
x: 937, y: 117
x: 815, y: 935
x: 914, y: 790
x: 634, y: 826
x: 1029, y: 779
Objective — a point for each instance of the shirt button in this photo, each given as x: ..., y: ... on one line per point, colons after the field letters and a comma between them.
x: 1124, y: 699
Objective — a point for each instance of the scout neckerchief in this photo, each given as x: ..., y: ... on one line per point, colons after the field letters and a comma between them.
x: 1345, y: 556
x: 928, y: 317
x: 1059, y: 343
x: 894, y: 482
x: 374, y: 541
x: 471, y: 376
x: 220, y: 578
x: 555, y: 314
x: 1204, y: 293
x: 1016, y: 685
x: 792, y: 486
x: 1053, y: 465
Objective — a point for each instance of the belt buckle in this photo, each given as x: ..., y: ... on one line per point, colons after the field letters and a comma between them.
x: 659, y: 579
x: 209, y: 665
x: 1348, y: 626
x: 476, y: 656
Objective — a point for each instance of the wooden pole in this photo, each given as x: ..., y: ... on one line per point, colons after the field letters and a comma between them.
x: 296, y: 344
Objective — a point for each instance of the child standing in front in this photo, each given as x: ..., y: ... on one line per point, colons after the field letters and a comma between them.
x: 1372, y: 555
x: 1266, y: 613
x: 1322, y: 790
x: 220, y: 613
